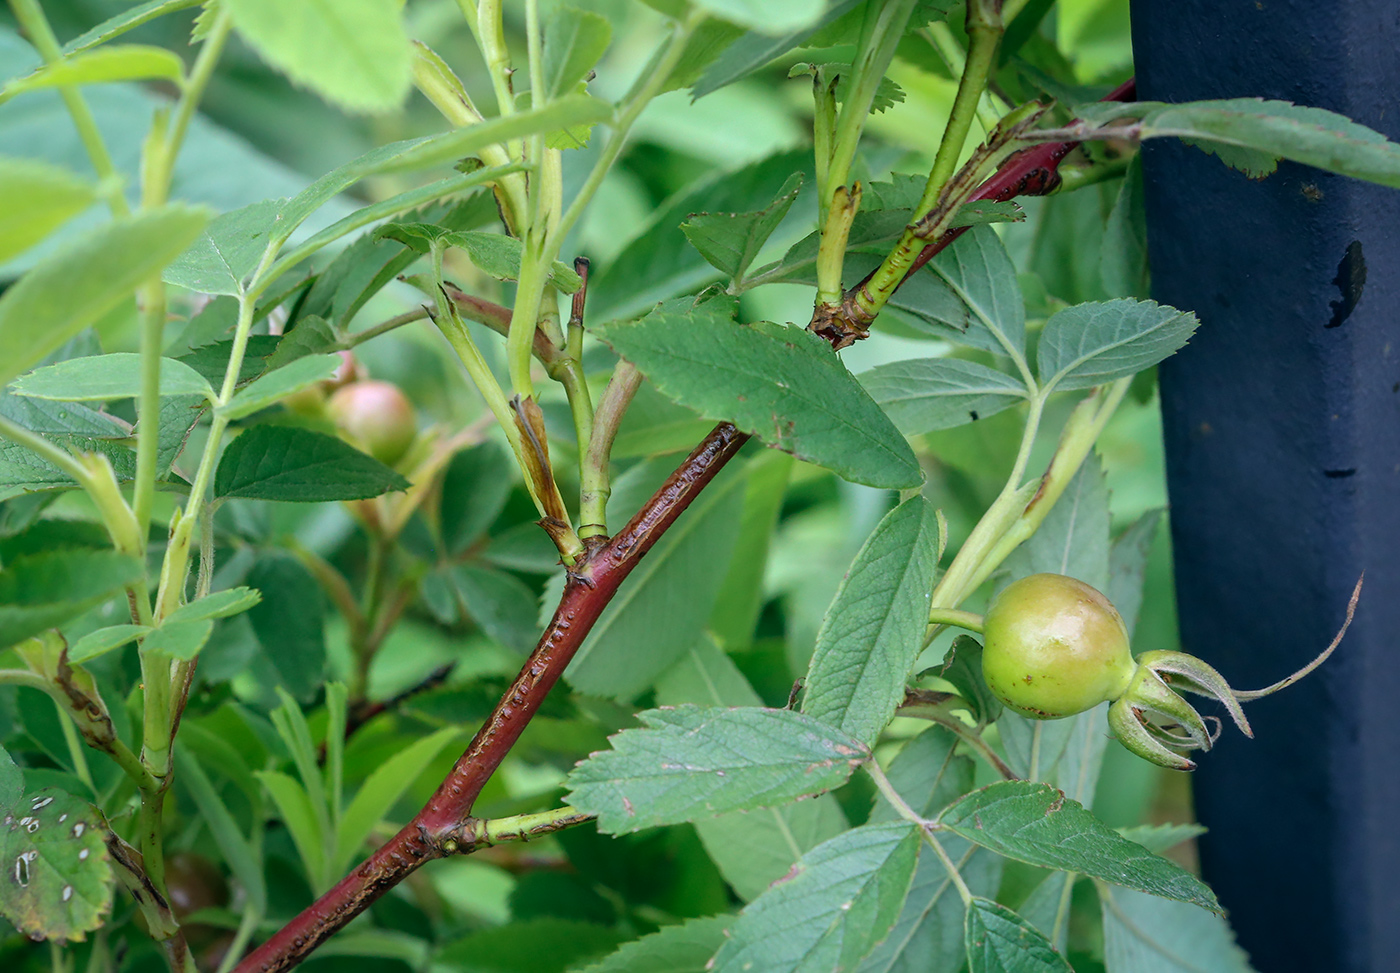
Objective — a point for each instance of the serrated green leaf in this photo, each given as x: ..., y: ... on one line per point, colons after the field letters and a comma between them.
x: 1090, y: 344
x: 11, y: 781
x: 57, y: 882
x: 45, y: 590
x: 683, y: 948
x: 1161, y: 837
x: 756, y: 48
x: 924, y: 394
x: 661, y: 607
x: 289, y: 622
x: 1123, y: 260
x: 574, y: 41
x: 276, y: 385
x: 179, y: 639
x: 35, y: 199
x: 783, y: 385
x: 1127, y: 566
x: 312, y: 335
x: 211, y: 360
x: 353, y: 53
x: 474, y: 490
x: 839, y: 901
x: 228, y: 251
x: 751, y: 849
x: 501, y: 604
x: 562, y: 113
x: 962, y: 666
x: 102, y: 378
x: 888, y: 93
x: 104, y: 640
x: 731, y: 241
x: 688, y: 762
x: 300, y: 466
x: 381, y: 791
x: 926, y: 938
x: 1145, y: 934
x: 1253, y: 134
x: 69, y: 289
x: 980, y: 301
x: 1037, y: 824
x: 1000, y: 941
x: 768, y: 16
x: 127, y: 20
x: 120, y: 62
x: 657, y: 264
x: 874, y: 629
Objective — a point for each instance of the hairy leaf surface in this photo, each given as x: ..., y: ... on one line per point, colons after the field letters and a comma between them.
x: 836, y: 904
x: 874, y: 629
x: 688, y: 762
x: 784, y: 385
x: 1037, y: 824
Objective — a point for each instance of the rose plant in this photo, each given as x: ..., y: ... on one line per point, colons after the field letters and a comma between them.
x: 271, y: 654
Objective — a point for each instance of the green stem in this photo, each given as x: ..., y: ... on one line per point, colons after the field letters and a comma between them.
x: 524, y: 318
x: 874, y: 52
x: 901, y: 806
x: 491, y: 38
x: 457, y: 335
x: 957, y: 582
x: 521, y: 827
x: 1058, y: 932
x: 384, y: 327
x: 75, y: 748
x: 366, y: 215
x: 953, y: 872
x: 157, y: 170
x: 984, y: 31
x: 951, y: 616
x: 940, y: 712
x: 150, y: 835
x: 595, y: 485
x: 1082, y: 430
x: 645, y: 89
x: 31, y: 18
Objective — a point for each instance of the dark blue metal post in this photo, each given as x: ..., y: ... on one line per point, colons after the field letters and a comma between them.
x: 1282, y: 422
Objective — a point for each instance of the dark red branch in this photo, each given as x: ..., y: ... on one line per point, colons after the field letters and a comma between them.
x: 1033, y: 172
x: 441, y: 827
x: 438, y: 829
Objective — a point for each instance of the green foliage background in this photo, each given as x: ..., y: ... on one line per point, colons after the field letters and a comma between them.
x: 572, y: 898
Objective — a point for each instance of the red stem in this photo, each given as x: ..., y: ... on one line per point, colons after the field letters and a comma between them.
x: 438, y: 829
x: 1033, y: 172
